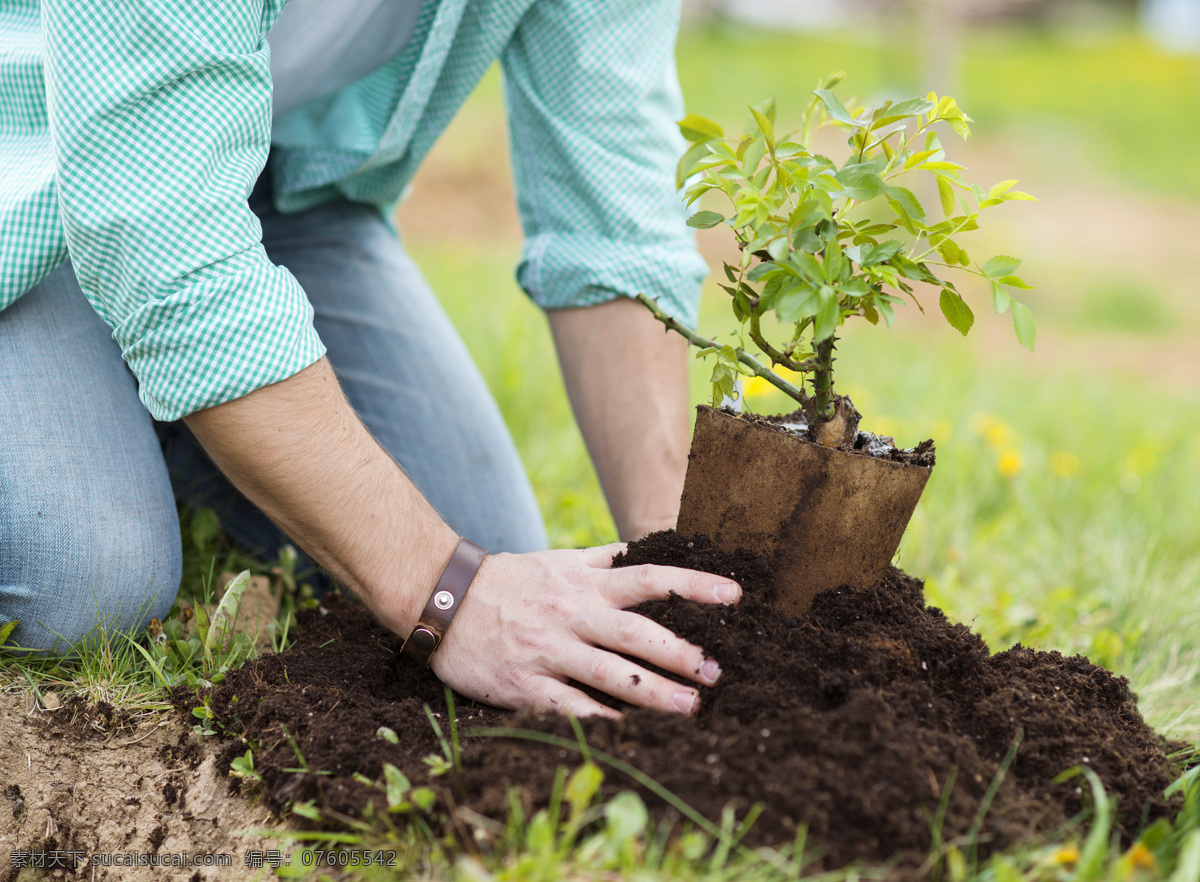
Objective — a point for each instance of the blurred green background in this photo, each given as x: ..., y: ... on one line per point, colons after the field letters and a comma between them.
x: 1063, y: 511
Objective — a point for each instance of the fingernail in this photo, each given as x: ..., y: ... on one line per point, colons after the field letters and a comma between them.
x: 727, y: 592
x: 710, y: 671
x: 685, y: 701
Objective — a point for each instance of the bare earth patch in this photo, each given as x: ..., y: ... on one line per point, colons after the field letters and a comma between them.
x: 85, y: 779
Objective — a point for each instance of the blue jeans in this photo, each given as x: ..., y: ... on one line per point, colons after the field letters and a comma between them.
x: 89, y: 532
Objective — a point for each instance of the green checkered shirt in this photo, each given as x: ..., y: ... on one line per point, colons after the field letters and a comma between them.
x: 131, y: 133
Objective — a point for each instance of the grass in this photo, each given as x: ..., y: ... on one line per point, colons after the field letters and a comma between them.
x: 1062, y: 513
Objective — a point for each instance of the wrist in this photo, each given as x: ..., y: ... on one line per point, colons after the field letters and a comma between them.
x: 401, y: 583
x: 444, y: 601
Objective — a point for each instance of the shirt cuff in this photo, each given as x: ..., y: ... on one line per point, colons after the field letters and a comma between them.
x: 563, y: 270
x: 228, y: 331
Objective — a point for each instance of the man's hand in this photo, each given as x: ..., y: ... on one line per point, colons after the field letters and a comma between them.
x: 627, y: 379
x: 555, y: 615
x: 530, y: 622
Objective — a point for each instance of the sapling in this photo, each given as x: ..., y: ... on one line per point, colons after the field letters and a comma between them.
x: 822, y: 243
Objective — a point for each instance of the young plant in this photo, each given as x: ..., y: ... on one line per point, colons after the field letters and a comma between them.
x: 822, y: 243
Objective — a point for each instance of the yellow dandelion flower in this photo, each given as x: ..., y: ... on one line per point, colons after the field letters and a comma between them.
x: 1064, y: 464
x: 1009, y: 463
x: 756, y: 387
x: 1068, y: 854
x: 1141, y: 857
x: 1142, y: 458
x: 994, y: 430
x: 883, y: 425
x: 998, y: 434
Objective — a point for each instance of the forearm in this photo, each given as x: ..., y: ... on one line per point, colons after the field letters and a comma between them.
x: 298, y: 451
x: 627, y: 381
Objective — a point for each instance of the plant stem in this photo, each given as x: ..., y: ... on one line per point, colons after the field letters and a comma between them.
x: 745, y: 358
x: 823, y: 379
x: 774, y: 354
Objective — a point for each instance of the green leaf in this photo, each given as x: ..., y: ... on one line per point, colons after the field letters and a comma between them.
x: 703, y: 220
x: 221, y: 625
x: 811, y: 210
x: 862, y: 182
x: 688, y: 163
x: 912, y: 206
x: 396, y: 786
x: 201, y: 623
x: 885, y: 309
x: 956, y: 311
x: 797, y: 303
x: 6, y: 630
x: 625, y: 816
x: 582, y: 787
x: 881, y: 252
x: 1000, y: 265
x: 764, y: 126
x: 854, y: 288
x: 1015, y: 282
x: 1001, y: 298
x: 827, y: 316
x: 959, y: 124
x: 946, y: 194
x: 834, y: 262
x: 697, y: 128
x: 424, y: 798
x: 1001, y: 188
x: 835, y: 107
x: 1018, y: 196
x: 808, y: 241
x: 918, y: 158
x: 766, y: 108
x: 897, y: 112
x: 753, y: 155
x: 833, y: 79
x: 807, y: 267
x: 1024, y: 324
x: 949, y: 250
x: 766, y: 299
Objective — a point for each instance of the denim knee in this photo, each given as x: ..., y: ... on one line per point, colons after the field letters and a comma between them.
x: 81, y: 578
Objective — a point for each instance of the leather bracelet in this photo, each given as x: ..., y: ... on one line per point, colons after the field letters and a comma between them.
x: 439, y: 611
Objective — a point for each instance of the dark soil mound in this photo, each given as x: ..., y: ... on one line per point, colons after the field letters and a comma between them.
x: 854, y: 719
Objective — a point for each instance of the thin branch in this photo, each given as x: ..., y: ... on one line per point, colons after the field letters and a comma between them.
x: 774, y: 354
x: 745, y: 358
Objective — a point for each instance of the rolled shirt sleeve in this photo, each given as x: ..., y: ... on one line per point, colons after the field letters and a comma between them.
x: 593, y: 95
x: 160, y: 118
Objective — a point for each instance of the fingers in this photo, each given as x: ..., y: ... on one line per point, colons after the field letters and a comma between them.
x: 636, y: 635
x: 629, y: 586
x: 564, y: 699
x: 601, y: 556
x: 625, y: 680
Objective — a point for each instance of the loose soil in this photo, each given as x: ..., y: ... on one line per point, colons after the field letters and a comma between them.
x: 855, y: 719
